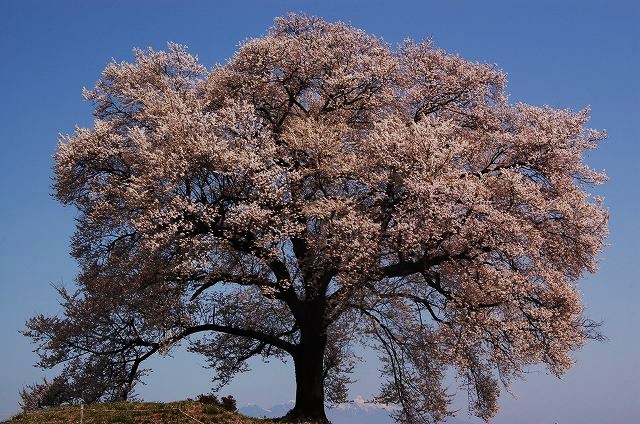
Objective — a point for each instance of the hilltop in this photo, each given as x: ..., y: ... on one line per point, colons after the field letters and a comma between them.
x: 204, y: 412
x: 185, y: 412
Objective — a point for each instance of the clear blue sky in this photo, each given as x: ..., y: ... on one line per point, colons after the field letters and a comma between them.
x: 566, y: 54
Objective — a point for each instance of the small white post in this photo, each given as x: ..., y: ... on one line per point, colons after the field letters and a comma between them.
x: 81, y: 412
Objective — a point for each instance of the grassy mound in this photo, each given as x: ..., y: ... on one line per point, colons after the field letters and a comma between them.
x: 184, y: 412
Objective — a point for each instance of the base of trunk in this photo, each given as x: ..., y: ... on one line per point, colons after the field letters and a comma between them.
x: 311, y: 417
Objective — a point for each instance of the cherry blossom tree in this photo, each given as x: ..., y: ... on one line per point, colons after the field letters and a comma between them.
x: 321, y: 191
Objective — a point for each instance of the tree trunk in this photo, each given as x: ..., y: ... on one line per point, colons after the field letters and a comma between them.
x: 309, y: 363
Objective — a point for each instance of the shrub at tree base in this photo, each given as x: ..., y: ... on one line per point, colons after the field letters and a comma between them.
x: 318, y: 192
x: 226, y: 402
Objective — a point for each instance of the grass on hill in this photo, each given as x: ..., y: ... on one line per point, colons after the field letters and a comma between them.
x: 183, y: 412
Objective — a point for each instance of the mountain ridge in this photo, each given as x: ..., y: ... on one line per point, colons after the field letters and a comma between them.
x: 357, y: 411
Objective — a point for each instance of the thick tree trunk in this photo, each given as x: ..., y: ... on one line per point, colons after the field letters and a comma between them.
x: 309, y: 369
x: 309, y: 391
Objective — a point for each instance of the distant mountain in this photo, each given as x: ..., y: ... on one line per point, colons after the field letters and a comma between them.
x: 358, y: 411
x: 260, y: 412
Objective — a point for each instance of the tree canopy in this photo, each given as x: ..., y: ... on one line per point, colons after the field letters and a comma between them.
x: 319, y: 191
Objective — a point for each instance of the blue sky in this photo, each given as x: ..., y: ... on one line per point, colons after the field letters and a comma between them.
x: 566, y: 54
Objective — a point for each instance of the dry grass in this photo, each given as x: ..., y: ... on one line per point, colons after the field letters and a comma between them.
x: 185, y: 412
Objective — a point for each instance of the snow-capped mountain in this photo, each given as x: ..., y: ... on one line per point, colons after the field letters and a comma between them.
x: 359, y: 411
x: 256, y: 411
